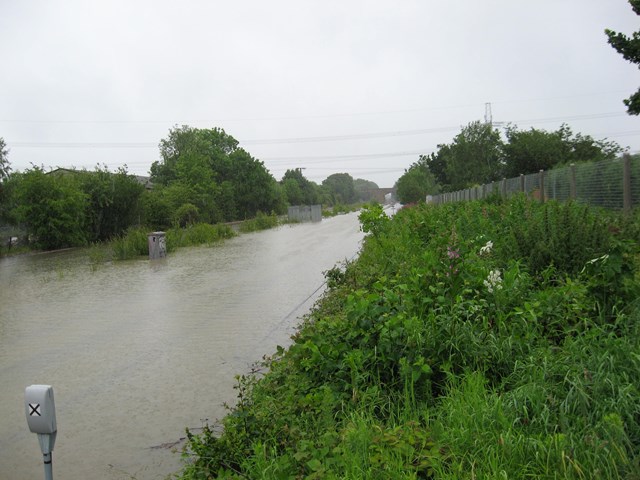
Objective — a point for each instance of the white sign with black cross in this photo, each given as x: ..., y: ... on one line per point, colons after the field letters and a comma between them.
x: 40, y: 409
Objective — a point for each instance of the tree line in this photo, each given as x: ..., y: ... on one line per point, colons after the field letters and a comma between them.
x: 202, y: 176
x: 479, y: 155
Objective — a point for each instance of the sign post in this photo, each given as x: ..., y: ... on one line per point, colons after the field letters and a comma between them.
x: 41, y: 418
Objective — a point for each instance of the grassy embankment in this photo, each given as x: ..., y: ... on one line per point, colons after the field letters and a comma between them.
x: 476, y: 340
x: 134, y: 243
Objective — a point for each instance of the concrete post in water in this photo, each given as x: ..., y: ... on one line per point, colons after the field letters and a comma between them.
x: 157, y: 245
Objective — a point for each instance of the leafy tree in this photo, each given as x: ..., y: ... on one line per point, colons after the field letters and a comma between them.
x: 340, y: 187
x: 112, y: 202
x: 51, y: 208
x: 292, y: 191
x: 530, y: 151
x: 161, y: 205
x: 416, y: 183
x: 223, y: 181
x: 474, y: 157
x: 255, y: 188
x: 438, y: 166
x: 212, y: 144
x: 629, y: 48
x: 298, y: 189
x: 583, y: 148
x: 533, y: 150
x: 364, y: 189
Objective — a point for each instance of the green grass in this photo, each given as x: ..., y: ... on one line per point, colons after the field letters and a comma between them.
x: 198, y: 234
x: 260, y: 222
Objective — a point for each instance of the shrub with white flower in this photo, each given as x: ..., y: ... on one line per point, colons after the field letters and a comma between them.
x: 493, y: 281
x: 486, y: 250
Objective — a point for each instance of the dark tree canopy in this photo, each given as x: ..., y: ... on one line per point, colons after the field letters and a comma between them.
x: 340, y: 187
x: 529, y: 151
x: 206, y: 169
x: 478, y: 155
x: 364, y: 189
x: 64, y: 207
x: 416, y: 183
x: 629, y: 48
x: 51, y: 208
x: 474, y: 157
x: 112, y: 202
x: 298, y: 189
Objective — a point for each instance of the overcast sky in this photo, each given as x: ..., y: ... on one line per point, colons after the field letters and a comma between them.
x: 362, y: 87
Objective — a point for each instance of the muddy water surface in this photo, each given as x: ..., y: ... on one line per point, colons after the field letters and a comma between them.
x: 136, y: 351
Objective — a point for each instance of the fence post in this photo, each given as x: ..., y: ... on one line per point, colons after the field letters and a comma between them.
x: 572, y: 181
x: 522, y: 182
x: 504, y: 188
x: 541, y: 176
x: 626, y: 183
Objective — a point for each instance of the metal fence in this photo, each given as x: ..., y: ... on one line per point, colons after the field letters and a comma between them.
x: 613, y: 184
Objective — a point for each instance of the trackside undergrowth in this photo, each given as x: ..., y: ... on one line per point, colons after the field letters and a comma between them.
x: 473, y: 340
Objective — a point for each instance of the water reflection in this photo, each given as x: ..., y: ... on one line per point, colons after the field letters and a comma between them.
x: 138, y: 350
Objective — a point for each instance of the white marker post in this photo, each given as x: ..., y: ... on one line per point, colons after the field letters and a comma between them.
x: 41, y: 418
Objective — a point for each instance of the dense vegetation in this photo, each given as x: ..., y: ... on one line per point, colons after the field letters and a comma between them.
x: 70, y: 208
x: 478, y: 155
x: 471, y: 340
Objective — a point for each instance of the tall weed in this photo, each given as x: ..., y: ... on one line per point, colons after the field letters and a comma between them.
x: 132, y: 244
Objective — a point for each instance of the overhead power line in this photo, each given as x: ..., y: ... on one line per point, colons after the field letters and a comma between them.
x: 294, y: 140
x: 425, y: 108
x: 363, y: 156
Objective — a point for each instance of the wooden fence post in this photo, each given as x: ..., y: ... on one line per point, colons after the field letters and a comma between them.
x: 522, y: 182
x: 541, y: 177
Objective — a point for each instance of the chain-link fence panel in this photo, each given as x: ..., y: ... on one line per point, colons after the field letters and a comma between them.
x: 612, y: 184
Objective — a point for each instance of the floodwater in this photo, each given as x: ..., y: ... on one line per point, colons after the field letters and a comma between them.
x: 136, y: 351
